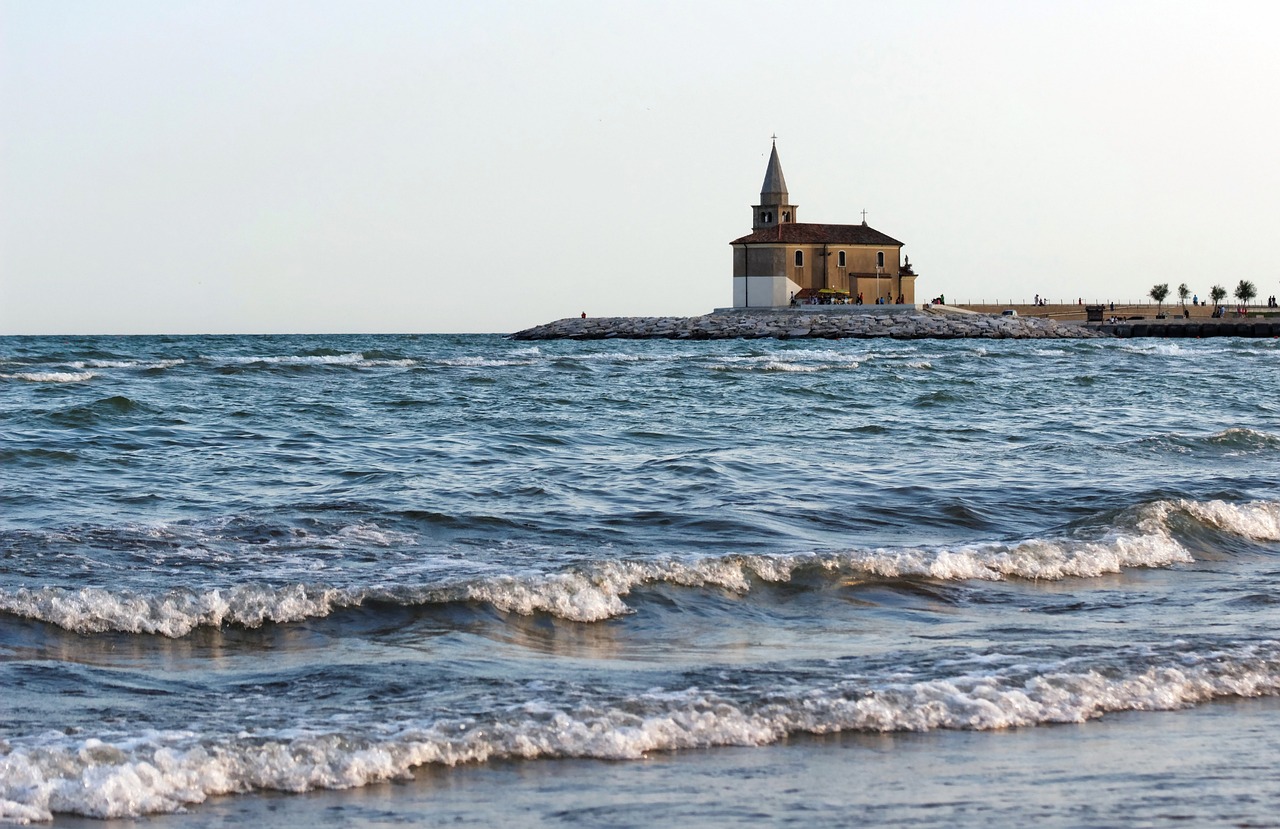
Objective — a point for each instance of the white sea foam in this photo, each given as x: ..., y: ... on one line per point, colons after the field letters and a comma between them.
x: 226, y: 534
x: 1258, y: 520
x: 590, y: 594
x: 50, y: 376
x: 303, y: 360
x: 1229, y: 443
x: 145, y: 364
x: 775, y: 365
x: 176, y: 613
x: 354, y: 358
x: 1240, y: 440
x: 112, y: 363
x: 482, y: 362
x: 164, y: 771
x: 172, y: 613
x: 596, y: 591
x: 362, y: 532
x: 1244, y: 433
x: 798, y: 360
x: 821, y: 354
x: 1046, y: 559
x: 404, y: 362
x: 613, y: 357
x: 1163, y: 348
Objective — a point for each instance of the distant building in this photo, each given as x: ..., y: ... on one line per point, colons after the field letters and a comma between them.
x: 782, y: 258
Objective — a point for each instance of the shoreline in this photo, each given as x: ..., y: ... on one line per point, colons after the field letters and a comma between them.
x: 1044, y: 769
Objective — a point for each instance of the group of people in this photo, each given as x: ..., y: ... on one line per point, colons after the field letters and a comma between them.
x: 1271, y: 302
x: 844, y: 300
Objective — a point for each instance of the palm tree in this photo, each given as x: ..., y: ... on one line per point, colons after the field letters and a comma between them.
x: 1183, y: 293
x: 1158, y: 293
x: 1245, y: 291
x: 1217, y: 293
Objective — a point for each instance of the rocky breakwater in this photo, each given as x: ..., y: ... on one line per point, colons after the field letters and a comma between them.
x: 916, y: 325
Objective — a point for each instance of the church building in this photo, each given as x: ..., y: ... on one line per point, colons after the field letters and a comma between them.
x: 784, y: 259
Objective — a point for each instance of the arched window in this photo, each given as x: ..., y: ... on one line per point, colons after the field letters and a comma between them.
x: 880, y: 259
x: 768, y: 217
x: 840, y: 259
x: 786, y: 215
x: 799, y: 259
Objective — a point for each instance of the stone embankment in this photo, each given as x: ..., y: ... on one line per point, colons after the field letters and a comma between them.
x: 1195, y: 329
x: 913, y: 325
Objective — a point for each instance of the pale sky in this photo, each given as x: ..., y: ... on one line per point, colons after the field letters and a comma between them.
x: 269, y: 166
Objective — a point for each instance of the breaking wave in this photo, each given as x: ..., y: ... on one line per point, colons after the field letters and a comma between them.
x: 1232, y: 442
x: 804, y: 360
x: 1257, y: 520
x: 50, y: 376
x: 354, y: 359
x: 143, y: 364
x: 482, y: 362
x: 127, y: 775
x: 596, y: 591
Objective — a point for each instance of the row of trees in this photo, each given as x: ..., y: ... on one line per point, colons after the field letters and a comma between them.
x: 1245, y: 291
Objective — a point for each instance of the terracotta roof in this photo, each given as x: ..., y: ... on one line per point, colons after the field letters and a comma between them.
x: 805, y: 233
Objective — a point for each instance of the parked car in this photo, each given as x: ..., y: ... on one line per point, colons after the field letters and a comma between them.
x: 1009, y: 312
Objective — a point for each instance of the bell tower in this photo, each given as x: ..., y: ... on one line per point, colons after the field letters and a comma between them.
x: 774, y: 207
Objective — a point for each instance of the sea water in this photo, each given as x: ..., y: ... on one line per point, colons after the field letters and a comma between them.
x: 365, y: 579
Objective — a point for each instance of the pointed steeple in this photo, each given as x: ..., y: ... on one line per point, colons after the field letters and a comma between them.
x: 774, y: 189
x: 774, y: 207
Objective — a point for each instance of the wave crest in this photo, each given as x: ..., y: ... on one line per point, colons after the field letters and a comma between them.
x: 1257, y: 520
x: 591, y: 594
x: 172, y: 613
x: 50, y: 376
x: 164, y: 771
x: 1229, y: 443
x: 596, y: 591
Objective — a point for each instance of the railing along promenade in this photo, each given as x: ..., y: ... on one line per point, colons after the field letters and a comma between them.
x: 1144, y: 319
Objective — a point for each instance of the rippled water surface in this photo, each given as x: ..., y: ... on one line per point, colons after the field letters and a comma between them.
x: 254, y: 565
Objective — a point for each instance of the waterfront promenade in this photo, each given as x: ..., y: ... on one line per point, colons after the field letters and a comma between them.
x: 1067, y: 312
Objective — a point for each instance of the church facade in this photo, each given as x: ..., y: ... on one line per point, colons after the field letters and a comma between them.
x: 784, y: 259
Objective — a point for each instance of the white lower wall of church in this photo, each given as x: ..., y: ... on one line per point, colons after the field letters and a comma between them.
x: 763, y: 291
